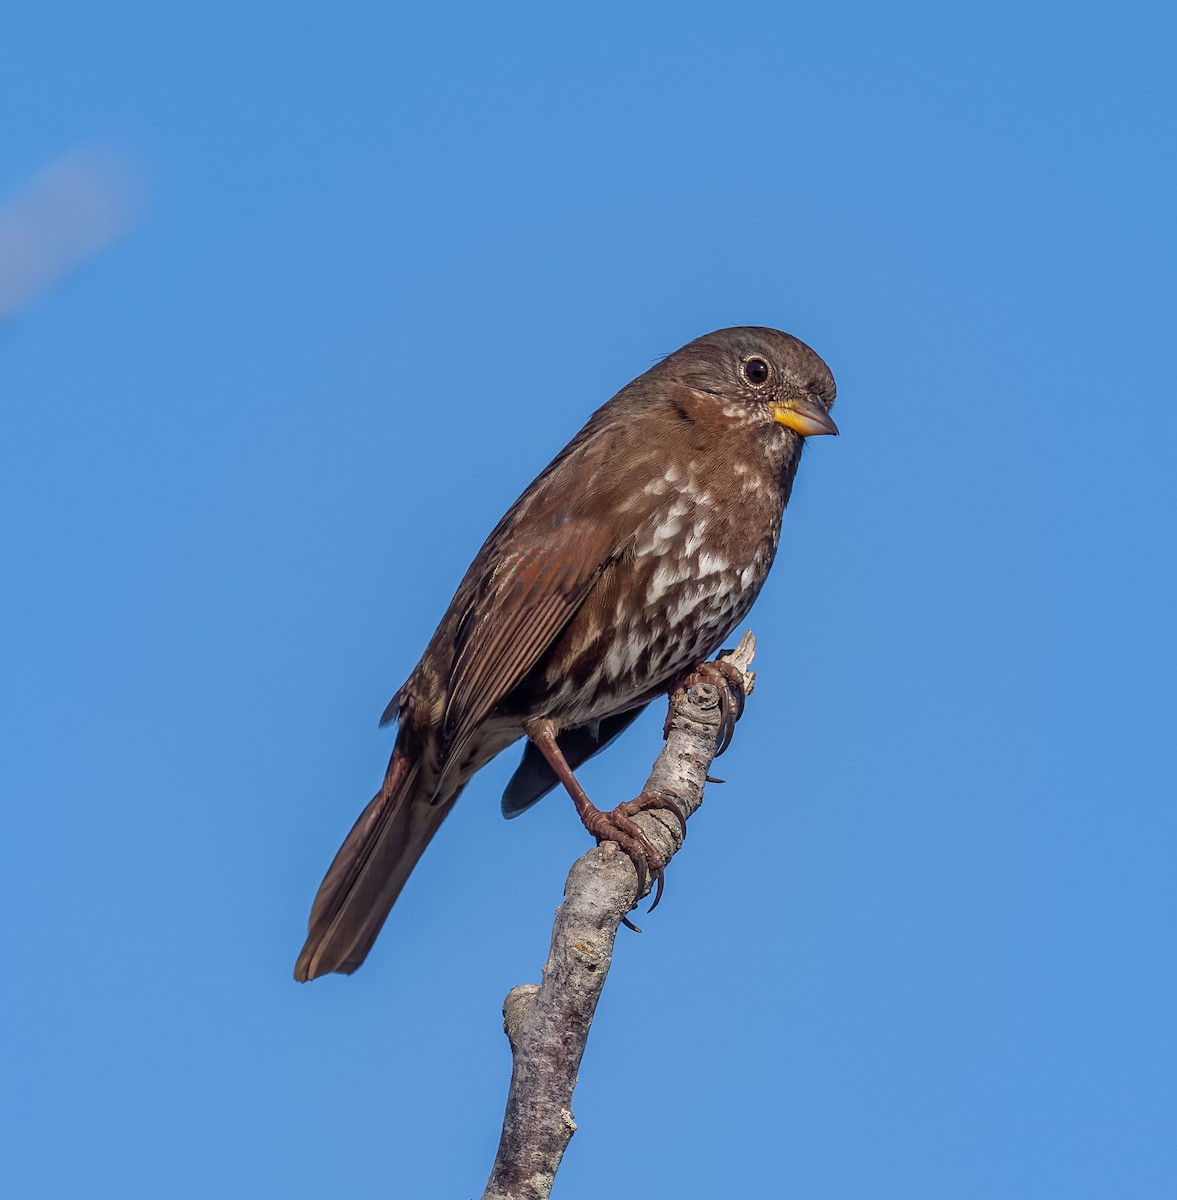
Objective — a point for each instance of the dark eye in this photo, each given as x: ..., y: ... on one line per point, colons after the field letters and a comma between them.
x: 756, y: 371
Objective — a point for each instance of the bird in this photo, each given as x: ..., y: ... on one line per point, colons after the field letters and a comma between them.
x: 619, y: 570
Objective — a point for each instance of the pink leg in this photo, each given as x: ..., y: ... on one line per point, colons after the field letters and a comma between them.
x: 616, y: 825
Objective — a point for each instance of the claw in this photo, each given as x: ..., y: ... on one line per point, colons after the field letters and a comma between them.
x: 727, y: 730
x: 728, y: 681
x: 618, y: 826
x: 644, y: 803
x: 671, y: 805
x: 659, y: 881
x: 648, y: 801
x: 642, y: 866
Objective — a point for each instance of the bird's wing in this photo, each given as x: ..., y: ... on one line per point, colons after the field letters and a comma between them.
x: 518, y: 611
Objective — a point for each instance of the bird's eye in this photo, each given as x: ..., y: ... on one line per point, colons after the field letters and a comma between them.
x: 755, y: 371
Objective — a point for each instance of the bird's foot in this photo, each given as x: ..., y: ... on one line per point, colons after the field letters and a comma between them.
x: 729, y: 682
x: 617, y: 825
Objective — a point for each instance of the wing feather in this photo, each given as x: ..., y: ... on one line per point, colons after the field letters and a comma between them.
x: 530, y: 596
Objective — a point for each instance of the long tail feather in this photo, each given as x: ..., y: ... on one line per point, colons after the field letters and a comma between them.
x: 369, y: 871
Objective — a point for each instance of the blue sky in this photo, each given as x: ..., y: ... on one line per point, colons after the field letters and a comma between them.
x: 367, y: 271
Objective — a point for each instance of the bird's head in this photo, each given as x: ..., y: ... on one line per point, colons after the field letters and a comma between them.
x: 759, y: 376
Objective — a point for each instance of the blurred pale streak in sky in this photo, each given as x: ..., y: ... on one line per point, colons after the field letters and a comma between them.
x: 69, y: 211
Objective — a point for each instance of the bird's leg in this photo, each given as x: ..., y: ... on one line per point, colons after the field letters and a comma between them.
x: 617, y: 824
x: 730, y: 684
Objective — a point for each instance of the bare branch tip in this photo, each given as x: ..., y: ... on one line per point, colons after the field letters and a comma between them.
x: 741, y: 658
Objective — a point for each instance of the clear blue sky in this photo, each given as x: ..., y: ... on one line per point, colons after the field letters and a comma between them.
x: 386, y: 261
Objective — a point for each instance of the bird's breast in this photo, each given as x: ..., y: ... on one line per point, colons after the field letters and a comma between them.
x: 687, y: 577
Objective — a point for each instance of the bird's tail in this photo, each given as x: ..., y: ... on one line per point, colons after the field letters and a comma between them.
x: 370, y: 869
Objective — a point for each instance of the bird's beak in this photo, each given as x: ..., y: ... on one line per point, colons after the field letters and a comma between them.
x: 803, y: 415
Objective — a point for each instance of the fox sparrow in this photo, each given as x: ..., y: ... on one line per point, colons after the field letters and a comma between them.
x: 627, y: 562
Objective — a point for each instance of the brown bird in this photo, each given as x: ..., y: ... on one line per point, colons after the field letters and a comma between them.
x: 623, y: 566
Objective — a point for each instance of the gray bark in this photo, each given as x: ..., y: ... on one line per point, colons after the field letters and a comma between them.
x: 548, y: 1024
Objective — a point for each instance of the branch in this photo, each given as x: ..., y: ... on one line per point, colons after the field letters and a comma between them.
x: 548, y: 1024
